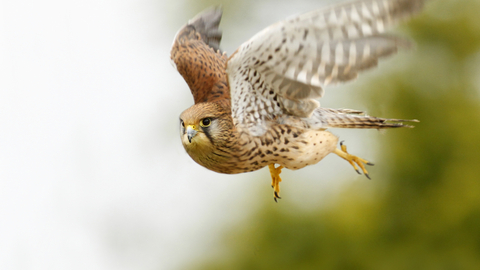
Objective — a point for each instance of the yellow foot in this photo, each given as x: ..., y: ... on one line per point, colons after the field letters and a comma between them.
x: 353, y: 160
x: 275, y: 173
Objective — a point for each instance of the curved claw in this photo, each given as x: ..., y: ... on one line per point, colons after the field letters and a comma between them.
x: 353, y: 160
x: 275, y: 173
x: 275, y: 196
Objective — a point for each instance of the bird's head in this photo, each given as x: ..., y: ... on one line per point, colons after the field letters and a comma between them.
x: 205, y: 127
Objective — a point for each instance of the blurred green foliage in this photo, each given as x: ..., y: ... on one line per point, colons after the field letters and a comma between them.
x: 427, y: 215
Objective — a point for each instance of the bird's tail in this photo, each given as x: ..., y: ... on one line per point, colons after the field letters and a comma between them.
x: 346, y: 118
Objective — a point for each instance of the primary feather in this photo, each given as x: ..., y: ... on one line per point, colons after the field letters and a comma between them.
x: 284, y: 68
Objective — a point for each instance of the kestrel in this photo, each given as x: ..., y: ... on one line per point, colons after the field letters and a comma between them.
x: 258, y: 107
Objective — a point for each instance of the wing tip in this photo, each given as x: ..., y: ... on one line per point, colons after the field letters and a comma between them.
x: 204, y: 26
x: 207, y: 23
x: 211, y: 15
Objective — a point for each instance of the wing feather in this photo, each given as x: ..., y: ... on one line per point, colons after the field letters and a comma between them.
x: 196, y: 55
x: 296, y: 58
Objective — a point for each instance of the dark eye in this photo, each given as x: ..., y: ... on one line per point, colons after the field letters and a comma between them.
x: 181, y: 123
x: 206, y: 122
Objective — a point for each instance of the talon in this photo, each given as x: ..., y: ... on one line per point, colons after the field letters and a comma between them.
x: 275, y: 196
x: 275, y: 173
x: 353, y: 160
x: 343, y: 147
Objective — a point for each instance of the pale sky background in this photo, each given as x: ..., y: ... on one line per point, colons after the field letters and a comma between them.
x: 92, y: 171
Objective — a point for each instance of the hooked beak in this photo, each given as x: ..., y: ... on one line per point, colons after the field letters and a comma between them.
x: 191, y: 132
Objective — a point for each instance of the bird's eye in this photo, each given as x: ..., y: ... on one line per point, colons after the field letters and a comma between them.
x: 206, y: 122
x: 181, y: 123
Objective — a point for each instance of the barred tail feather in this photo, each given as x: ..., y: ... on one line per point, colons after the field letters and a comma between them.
x: 345, y: 118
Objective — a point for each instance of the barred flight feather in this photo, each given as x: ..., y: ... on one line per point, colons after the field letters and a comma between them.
x: 296, y: 58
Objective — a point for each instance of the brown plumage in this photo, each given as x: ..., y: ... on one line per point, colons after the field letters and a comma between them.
x: 258, y: 107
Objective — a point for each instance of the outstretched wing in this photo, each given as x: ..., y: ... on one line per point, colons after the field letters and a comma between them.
x: 196, y: 55
x: 284, y: 68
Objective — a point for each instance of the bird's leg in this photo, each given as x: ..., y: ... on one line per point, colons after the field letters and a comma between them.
x: 275, y: 173
x: 353, y: 160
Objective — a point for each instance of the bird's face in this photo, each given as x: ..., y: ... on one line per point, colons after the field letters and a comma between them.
x: 197, y: 130
x: 204, y: 128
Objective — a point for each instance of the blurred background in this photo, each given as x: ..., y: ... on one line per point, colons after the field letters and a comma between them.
x: 93, y: 174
